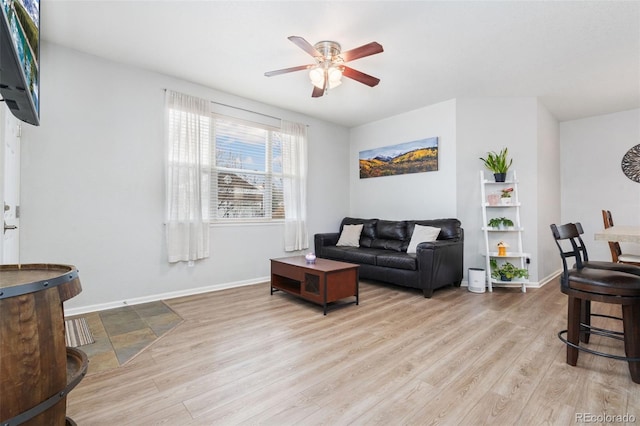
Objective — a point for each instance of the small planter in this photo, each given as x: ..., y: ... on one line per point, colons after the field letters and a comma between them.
x: 500, y: 177
x: 493, y: 199
x: 506, y: 201
x: 507, y: 271
x: 500, y: 223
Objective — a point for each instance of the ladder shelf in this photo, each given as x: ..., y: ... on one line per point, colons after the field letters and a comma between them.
x: 493, y: 205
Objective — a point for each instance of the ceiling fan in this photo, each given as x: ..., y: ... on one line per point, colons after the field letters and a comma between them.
x: 327, y: 71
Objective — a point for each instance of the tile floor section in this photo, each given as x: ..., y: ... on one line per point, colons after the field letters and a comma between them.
x: 122, y: 333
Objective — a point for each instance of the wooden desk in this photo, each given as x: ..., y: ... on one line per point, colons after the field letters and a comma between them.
x: 622, y: 234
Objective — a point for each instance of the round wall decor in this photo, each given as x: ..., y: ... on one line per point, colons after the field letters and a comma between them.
x: 631, y: 164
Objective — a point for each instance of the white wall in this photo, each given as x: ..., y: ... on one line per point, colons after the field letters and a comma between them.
x: 426, y: 195
x: 93, y: 185
x: 547, y: 193
x: 468, y: 129
x: 490, y: 124
x: 592, y: 178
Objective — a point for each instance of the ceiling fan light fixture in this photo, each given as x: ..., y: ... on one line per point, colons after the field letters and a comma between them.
x: 317, y: 77
x: 334, y: 77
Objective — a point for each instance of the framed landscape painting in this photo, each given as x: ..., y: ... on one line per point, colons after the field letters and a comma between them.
x: 409, y: 157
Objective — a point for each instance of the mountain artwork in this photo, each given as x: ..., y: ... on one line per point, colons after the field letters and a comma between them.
x: 409, y: 157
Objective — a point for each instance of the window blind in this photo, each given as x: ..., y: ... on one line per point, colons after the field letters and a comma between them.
x: 246, y: 178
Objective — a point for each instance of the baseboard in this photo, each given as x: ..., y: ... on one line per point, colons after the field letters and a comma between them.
x: 531, y: 284
x: 552, y: 276
x: 217, y: 287
x: 162, y: 296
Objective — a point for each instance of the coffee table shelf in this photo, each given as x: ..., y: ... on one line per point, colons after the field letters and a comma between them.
x: 286, y: 284
x: 323, y: 282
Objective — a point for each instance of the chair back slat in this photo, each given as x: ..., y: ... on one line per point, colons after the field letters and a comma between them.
x: 570, y: 232
x: 614, y: 246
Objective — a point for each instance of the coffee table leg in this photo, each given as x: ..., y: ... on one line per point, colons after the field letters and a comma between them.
x: 325, y: 294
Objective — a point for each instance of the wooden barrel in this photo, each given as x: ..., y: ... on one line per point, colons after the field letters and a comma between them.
x: 33, y: 353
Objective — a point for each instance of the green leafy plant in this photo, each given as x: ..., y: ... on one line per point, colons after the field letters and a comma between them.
x: 507, y: 271
x: 497, y: 221
x: 497, y: 162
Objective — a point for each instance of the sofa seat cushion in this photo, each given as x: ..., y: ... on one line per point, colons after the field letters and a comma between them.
x: 352, y: 254
x: 397, y: 261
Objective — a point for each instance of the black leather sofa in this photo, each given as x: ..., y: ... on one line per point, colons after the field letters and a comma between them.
x: 382, y: 254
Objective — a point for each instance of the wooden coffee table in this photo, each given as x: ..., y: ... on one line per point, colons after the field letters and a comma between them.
x: 323, y: 282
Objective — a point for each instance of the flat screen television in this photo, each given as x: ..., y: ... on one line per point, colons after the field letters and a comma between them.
x: 20, y: 57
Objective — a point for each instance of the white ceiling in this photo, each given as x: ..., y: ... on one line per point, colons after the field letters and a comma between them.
x: 581, y: 58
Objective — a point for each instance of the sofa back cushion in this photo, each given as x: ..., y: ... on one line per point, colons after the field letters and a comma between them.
x: 450, y: 229
x: 396, y: 234
x: 391, y: 235
x: 368, y: 229
x: 350, y: 236
x: 391, y: 230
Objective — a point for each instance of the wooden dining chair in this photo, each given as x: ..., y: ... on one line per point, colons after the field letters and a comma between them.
x: 616, y: 253
x: 584, y: 284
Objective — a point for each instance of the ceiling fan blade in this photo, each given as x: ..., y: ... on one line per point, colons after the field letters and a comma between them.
x: 286, y: 70
x: 317, y: 92
x: 362, y: 51
x: 305, y: 45
x: 360, y: 76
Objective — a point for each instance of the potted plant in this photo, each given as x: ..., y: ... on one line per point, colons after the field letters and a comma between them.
x: 500, y: 222
x: 507, y: 271
x: 505, y: 196
x: 498, y: 164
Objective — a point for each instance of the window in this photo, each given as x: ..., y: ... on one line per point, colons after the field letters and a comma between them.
x: 223, y: 169
x: 247, y: 173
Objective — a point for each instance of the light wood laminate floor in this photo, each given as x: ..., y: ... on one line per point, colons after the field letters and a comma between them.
x: 242, y: 356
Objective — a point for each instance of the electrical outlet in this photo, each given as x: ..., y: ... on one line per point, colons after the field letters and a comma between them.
x: 528, y: 261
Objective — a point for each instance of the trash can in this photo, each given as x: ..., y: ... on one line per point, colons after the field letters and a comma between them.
x: 477, y: 280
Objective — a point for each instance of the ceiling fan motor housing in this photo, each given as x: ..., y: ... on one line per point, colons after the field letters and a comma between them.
x: 329, y: 50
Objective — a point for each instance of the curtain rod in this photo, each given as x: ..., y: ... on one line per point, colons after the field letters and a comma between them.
x: 242, y: 109
x: 246, y: 110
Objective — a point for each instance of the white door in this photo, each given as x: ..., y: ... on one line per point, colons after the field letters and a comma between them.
x: 10, y: 187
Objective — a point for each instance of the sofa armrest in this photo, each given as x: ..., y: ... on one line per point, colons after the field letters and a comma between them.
x: 440, y: 263
x: 324, y: 240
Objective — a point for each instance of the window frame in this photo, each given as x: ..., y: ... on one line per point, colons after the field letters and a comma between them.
x: 269, y: 175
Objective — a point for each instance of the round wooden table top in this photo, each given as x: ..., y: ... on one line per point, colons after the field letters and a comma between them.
x: 22, y: 279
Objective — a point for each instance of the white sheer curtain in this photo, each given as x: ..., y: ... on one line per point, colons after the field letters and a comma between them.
x: 294, y: 164
x: 187, y: 133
